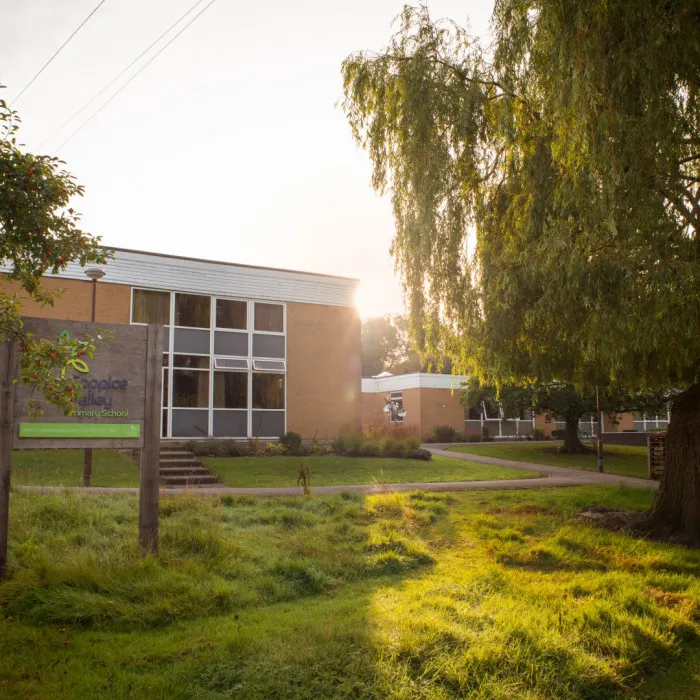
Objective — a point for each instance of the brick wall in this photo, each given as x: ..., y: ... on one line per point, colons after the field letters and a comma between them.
x: 324, y: 370
x: 440, y: 407
x: 112, y: 302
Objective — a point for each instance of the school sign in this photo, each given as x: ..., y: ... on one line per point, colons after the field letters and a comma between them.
x: 119, y: 409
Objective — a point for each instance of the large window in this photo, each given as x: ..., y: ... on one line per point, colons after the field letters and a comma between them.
x: 192, y: 310
x: 224, y: 363
x: 230, y: 390
x: 269, y: 317
x: 268, y: 391
x: 190, y: 389
x: 150, y: 307
x: 231, y: 314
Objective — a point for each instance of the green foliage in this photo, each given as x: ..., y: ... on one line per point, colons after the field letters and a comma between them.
x: 291, y: 442
x: 570, y: 149
x: 444, y: 433
x: 39, y: 234
x: 538, y: 434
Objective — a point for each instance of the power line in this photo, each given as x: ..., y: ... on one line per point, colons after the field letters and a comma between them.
x: 116, y: 77
x: 60, y: 48
x: 145, y: 65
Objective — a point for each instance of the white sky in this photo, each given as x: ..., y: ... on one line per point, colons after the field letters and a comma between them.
x: 229, y: 145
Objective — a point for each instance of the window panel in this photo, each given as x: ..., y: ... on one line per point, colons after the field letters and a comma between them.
x: 268, y: 391
x: 190, y: 388
x: 150, y: 307
x: 164, y: 425
x: 268, y: 345
x: 190, y: 423
x: 270, y: 365
x: 192, y: 310
x: 231, y: 314
x: 229, y: 343
x: 191, y: 361
x: 230, y: 423
x: 230, y: 363
x: 191, y: 341
x: 230, y: 390
x: 268, y: 424
x: 269, y: 317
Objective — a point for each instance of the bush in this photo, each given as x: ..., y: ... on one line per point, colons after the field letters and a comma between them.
x: 538, y: 434
x: 412, y: 443
x: 352, y: 445
x: 217, y: 448
x: 559, y: 434
x: 420, y: 453
x: 387, y: 447
x: 338, y: 446
x: 485, y: 433
x: 444, y: 433
x: 474, y: 438
x: 370, y: 448
x: 291, y: 442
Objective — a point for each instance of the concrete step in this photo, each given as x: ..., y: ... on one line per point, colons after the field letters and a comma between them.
x: 175, y: 453
x: 174, y: 461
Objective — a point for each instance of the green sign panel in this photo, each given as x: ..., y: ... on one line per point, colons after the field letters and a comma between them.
x: 80, y: 430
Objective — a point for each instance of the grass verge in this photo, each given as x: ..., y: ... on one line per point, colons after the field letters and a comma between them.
x: 618, y: 459
x: 480, y: 595
x: 330, y: 470
x: 65, y: 468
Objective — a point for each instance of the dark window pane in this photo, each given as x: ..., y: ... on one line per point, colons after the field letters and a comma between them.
x: 226, y: 343
x: 268, y: 424
x: 192, y: 310
x: 474, y: 414
x: 165, y: 388
x: 231, y: 314
x: 164, y: 428
x: 191, y: 361
x: 230, y: 423
x: 269, y: 317
x: 190, y: 423
x: 190, y: 340
x: 268, y: 391
x: 230, y: 390
x: 190, y: 388
x: 268, y: 345
x: 151, y: 307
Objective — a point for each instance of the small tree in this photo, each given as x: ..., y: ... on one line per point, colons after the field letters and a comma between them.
x: 38, y: 234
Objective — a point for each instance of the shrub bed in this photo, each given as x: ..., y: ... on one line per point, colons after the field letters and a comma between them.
x: 292, y: 444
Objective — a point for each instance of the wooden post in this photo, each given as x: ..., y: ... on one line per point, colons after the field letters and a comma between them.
x: 8, y: 358
x: 150, y: 452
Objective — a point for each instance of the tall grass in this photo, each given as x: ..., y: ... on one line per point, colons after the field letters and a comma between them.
x: 474, y: 595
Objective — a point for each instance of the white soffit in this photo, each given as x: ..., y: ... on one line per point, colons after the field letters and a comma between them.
x: 403, y: 382
x: 154, y: 271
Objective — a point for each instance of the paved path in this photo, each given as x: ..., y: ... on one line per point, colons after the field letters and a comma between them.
x: 580, y: 476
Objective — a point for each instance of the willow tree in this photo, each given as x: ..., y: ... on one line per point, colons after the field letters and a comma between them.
x: 546, y: 195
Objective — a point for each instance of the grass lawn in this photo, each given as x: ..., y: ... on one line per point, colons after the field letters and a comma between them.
x: 65, y: 468
x: 479, y: 595
x: 617, y: 459
x: 330, y: 470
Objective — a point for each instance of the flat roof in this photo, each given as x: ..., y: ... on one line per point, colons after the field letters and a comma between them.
x: 226, y: 262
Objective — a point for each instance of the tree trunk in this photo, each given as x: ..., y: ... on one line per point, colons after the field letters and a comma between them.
x: 571, y: 440
x: 676, y: 512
